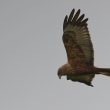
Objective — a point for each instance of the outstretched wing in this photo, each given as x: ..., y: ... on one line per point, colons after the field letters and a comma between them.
x: 77, y: 40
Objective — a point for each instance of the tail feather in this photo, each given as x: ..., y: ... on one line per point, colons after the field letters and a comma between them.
x: 104, y: 71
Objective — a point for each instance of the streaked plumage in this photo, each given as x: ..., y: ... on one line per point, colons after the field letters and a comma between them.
x: 79, y: 49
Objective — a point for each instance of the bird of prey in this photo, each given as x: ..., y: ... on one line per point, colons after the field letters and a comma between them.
x: 80, y: 54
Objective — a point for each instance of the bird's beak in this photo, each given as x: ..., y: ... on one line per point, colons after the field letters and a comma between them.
x: 59, y: 76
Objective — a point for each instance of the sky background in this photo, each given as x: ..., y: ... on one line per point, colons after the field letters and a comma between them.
x: 31, y: 51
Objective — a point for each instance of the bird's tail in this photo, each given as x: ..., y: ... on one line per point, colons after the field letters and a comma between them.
x: 103, y: 71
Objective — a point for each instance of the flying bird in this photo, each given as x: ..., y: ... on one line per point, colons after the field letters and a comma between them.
x: 80, y: 54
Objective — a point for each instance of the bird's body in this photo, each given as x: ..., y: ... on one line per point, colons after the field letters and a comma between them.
x: 80, y: 66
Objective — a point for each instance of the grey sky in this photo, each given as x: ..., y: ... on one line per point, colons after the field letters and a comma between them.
x: 31, y: 50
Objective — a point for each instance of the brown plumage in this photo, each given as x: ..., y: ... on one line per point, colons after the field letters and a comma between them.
x: 80, y: 66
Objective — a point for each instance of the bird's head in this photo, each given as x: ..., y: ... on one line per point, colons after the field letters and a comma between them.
x: 60, y: 72
x: 63, y: 70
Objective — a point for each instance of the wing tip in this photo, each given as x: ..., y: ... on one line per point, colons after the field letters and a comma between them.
x: 65, y: 22
x: 75, y: 19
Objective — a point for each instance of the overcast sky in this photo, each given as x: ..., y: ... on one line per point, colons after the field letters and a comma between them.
x: 31, y: 50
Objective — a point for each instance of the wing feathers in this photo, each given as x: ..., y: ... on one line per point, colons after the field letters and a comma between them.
x: 80, y: 18
x: 77, y: 40
x: 65, y: 22
x: 71, y: 15
x: 76, y: 16
x: 84, y: 21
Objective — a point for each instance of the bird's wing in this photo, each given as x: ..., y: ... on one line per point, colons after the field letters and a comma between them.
x: 77, y: 40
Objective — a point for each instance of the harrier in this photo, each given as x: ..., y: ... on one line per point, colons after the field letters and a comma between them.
x: 80, y: 54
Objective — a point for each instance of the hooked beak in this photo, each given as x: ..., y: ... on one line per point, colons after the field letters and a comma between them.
x: 59, y: 76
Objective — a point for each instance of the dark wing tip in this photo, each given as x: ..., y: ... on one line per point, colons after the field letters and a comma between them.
x: 71, y: 15
x: 78, y: 11
x: 84, y: 22
x: 65, y: 23
x: 76, y: 15
x: 75, y: 19
x: 81, y: 18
